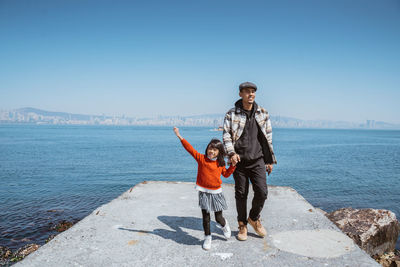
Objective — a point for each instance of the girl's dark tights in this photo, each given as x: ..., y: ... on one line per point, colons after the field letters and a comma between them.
x: 206, y: 220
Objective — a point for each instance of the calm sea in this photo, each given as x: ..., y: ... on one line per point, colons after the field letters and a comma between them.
x: 53, y: 173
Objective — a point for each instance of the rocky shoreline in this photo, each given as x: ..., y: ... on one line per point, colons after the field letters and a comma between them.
x: 9, y: 257
x: 374, y: 231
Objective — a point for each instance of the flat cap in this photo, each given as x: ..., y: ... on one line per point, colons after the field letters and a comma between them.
x: 247, y: 85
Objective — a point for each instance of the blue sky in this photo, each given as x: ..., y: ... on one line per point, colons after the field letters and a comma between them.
x: 336, y: 60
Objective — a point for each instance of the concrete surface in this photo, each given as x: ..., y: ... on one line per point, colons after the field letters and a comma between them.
x: 159, y: 224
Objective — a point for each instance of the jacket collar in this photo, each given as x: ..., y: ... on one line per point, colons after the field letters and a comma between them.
x: 239, y: 106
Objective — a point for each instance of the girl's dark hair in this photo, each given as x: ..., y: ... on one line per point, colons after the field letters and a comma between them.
x: 215, y: 143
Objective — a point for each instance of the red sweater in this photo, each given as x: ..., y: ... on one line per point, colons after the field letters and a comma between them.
x: 208, y: 172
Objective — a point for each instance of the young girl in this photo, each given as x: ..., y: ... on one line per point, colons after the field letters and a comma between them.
x: 208, y: 183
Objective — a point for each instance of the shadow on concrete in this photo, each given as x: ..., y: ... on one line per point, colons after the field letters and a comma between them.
x: 178, y: 234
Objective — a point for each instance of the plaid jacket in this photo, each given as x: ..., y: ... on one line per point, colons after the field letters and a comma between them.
x: 234, y: 122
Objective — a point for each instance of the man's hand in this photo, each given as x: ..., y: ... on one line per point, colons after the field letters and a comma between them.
x: 269, y: 168
x: 235, y: 159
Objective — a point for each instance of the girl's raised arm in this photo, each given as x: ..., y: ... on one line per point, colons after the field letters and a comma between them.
x: 196, y: 155
x: 176, y: 131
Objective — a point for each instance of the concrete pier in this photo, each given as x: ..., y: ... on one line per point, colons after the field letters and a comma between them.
x: 159, y: 224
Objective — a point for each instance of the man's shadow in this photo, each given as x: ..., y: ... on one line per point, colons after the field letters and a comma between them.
x: 178, y: 224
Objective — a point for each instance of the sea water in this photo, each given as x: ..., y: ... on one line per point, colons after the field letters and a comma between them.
x: 52, y: 173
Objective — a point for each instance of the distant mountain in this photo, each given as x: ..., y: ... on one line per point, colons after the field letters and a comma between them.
x: 38, y: 116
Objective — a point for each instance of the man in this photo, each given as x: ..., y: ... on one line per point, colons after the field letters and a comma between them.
x: 247, y: 137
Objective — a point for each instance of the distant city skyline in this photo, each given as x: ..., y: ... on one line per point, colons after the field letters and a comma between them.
x: 44, y: 117
x: 312, y: 60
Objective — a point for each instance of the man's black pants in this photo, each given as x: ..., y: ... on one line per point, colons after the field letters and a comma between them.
x: 256, y: 173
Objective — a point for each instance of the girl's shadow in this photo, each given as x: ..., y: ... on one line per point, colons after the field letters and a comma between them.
x: 178, y: 234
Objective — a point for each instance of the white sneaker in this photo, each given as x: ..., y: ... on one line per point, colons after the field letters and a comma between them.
x: 207, y: 242
x: 226, y: 229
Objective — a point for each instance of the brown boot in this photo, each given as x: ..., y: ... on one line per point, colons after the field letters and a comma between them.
x: 260, y: 230
x: 242, y: 235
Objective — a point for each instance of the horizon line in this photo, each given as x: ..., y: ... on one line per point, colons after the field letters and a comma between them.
x: 204, y: 114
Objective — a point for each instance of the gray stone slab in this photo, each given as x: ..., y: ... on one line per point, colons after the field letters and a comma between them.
x: 159, y: 224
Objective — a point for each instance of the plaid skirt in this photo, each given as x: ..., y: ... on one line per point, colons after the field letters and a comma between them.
x: 212, y: 202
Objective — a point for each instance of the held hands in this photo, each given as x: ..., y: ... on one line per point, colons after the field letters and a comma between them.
x: 269, y: 168
x: 176, y: 131
x: 235, y: 159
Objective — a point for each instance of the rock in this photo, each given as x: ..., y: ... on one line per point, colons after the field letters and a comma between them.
x: 62, y: 226
x: 397, y: 258
x: 375, y: 231
x: 5, y: 252
x: 55, y: 211
x: 24, y: 251
x: 389, y: 260
x: 5, y: 255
